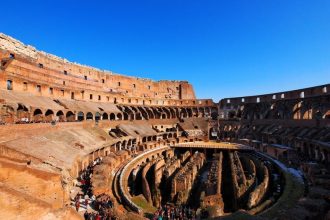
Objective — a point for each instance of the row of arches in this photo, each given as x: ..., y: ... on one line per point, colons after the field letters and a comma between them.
x: 288, y: 109
x: 23, y: 115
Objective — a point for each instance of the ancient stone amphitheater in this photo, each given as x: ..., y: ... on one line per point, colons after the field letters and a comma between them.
x: 78, y: 142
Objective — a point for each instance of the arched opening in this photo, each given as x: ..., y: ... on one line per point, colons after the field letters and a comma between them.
x: 81, y: 116
x: 326, y: 115
x: 124, y: 144
x: 231, y: 114
x: 23, y: 113
x: 97, y: 116
x: 138, y: 116
x: 119, y: 116
x: 150, y: 113
x: 89, y: 116
x: 125, y: 116
x: 183, y: 113
x: 49, y: 115
x: 9, y: 117
x: 195, y: 112
x: 308, y: 114
x: 60, y: 116
x: 105, y: 116
x: 189, y: 112
x: 297, y: 110
x: 37, y: 115
x: 214, y: 115
x: 112, y: 117
x: 144, y: 113
x: 70, y: 116
x: 201, y: 112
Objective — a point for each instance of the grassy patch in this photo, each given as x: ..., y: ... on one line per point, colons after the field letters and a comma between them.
x: 143, y: 204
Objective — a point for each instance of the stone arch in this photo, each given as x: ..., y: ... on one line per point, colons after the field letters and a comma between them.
x: 308, y: 114
x: 138, y: 116
x: 89, y: 116
x: 231, y: 114
x: 60, y: 116
x: 163, y: 116
x: 195, y: 112
x: 118, y: 146
x: 97, y: 116
x: 172, y: 112
x: 214, y: 115
x: 22, y: 113
x: 113, y: 116
x: 183, y: 113
x: 150, y: 113
x: 37, y: 115
x: 119, y: 116
x: 144, y: 113
x: 189, y: 112
x: 167, y: 112
x: 165, y: 136
x: 49, y: 115
x: 81, y: 116
x: 129, y: 143
x: 201, y: 112
x: 296, y: 111
x: 105, y: 116
x: 156, y: 113
x: 124, y: 144
x: 326, y: 115
x: 70, y: 116
x: 125, y: 116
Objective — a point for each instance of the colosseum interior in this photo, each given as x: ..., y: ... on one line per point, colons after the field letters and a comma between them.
x: 78, y: 142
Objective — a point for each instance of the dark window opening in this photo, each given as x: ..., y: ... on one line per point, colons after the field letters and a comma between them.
x: 51, y: 91
x: 64, y: 83
x: 91, y: 96
x: 72, y: 95
x: 99, y: 98
x: 12, y: 56
x: 9, y: 85
x: 118, y: 83
x: 65, y: 72
x: 41, y: 65
x: 38, y: 88
x: 25, y: 86
x: 103, y: 81
x: 85, y: 77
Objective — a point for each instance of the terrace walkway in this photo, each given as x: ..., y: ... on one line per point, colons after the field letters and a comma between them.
x: 212, y: 145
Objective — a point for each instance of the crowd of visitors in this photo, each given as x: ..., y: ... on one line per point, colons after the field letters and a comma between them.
x: 169, y: 212
x: 96, y: 208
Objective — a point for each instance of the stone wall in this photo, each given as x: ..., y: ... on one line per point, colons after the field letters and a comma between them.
x: 20, y: 61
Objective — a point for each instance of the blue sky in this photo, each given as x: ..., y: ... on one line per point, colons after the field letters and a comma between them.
x: 224, y: 48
